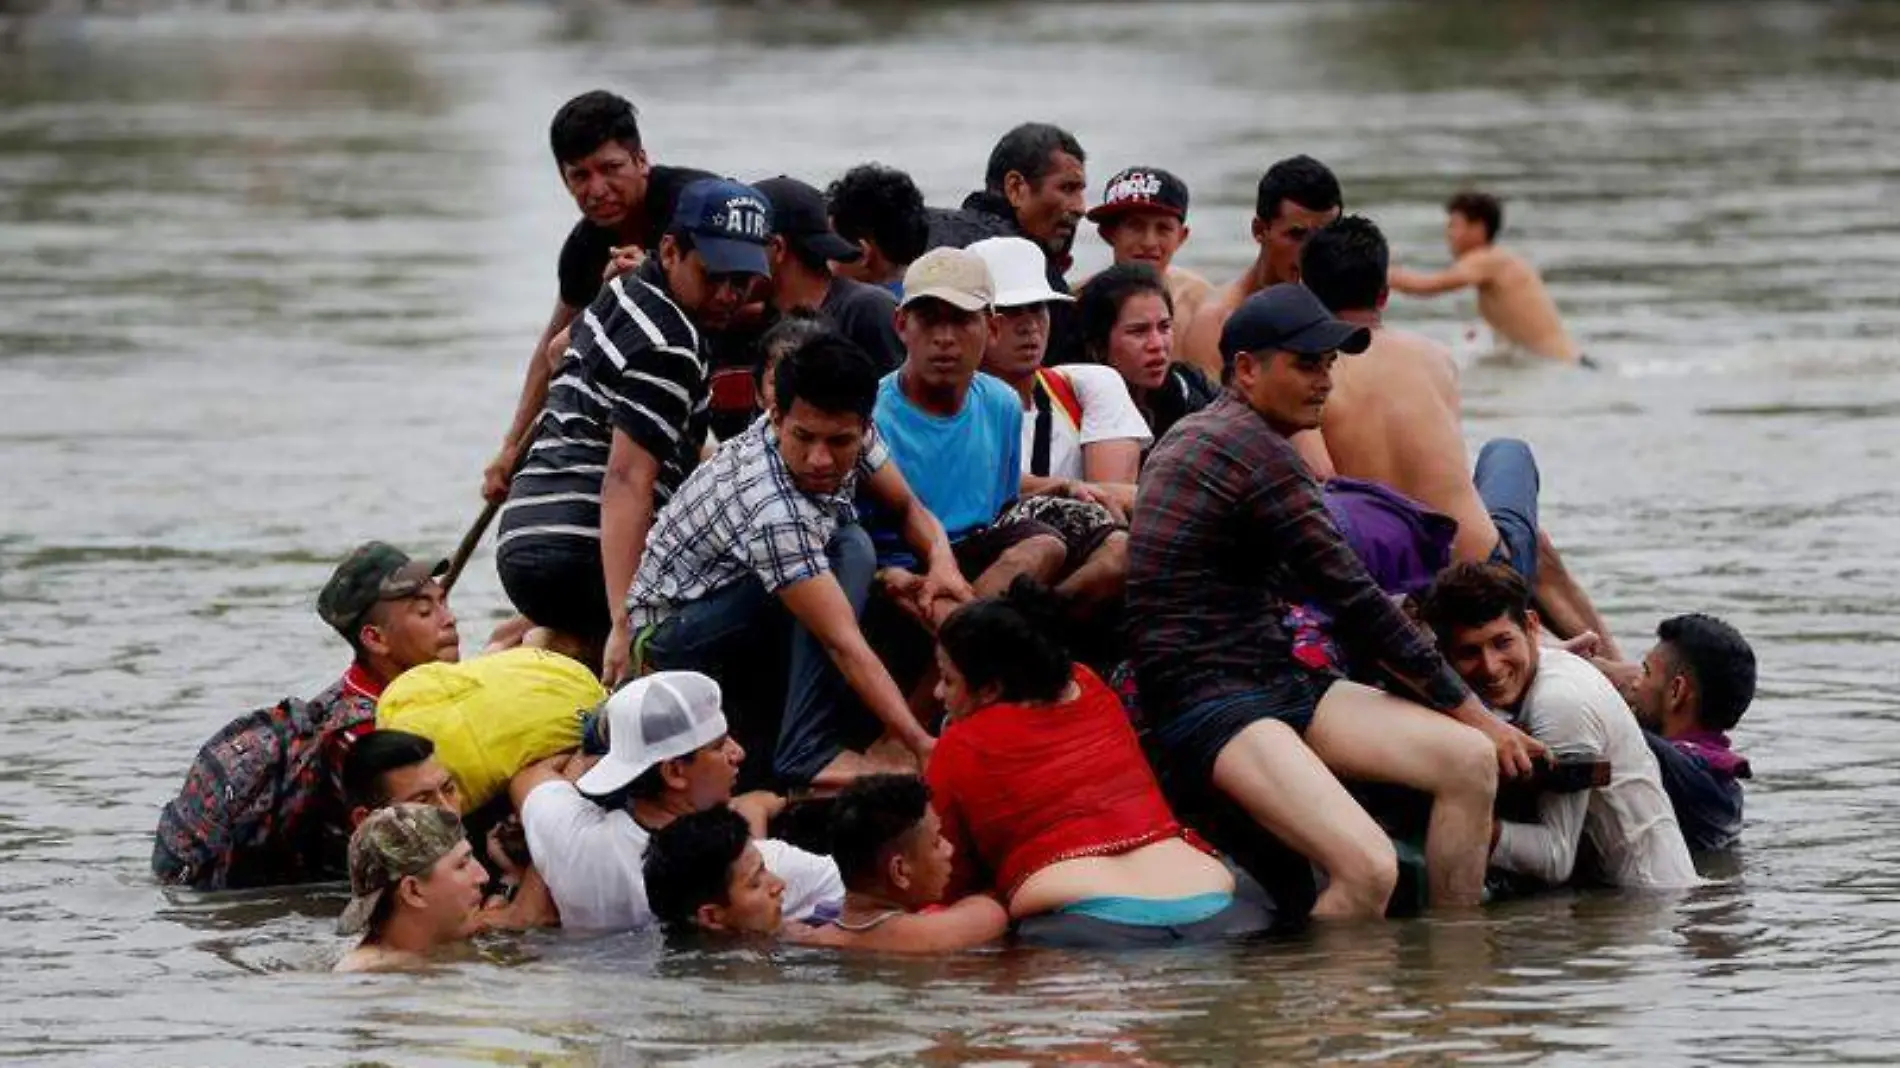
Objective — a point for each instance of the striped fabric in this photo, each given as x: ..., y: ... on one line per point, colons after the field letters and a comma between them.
x: 635, y: 363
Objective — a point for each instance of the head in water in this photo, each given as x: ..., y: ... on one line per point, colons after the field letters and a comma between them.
x: 888, y: 841
x: 1038, y: 168
x: 391, y: 767
x: 703, y: 873
x: 1482, y: 617
x: 1700, y: 675
x: 1472, y: 221
x: 391, y: 609
x: 1296, y: 197
x: 414, y: 880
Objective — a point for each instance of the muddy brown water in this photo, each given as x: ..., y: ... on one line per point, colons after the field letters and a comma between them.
x: 267, y: 279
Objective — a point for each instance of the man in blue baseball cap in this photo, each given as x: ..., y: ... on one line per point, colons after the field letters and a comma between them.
x: 625, y: 419
x: 1230, y: 529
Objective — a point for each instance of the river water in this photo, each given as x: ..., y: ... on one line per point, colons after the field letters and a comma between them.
x: 267, y: 280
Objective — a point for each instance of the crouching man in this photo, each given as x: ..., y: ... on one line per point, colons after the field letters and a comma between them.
x: 766, y: 534
x: 1482, y: 618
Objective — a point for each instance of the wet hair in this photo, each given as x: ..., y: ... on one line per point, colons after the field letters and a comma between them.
x: 1474, y: 594
x: 689, y: 863
x: 794, y: 328
x: 1718, y: 659
x: 1029, y: 150
x: 589, y: 121
x: 1303, y: 180
x: 881, y: 205
x: 829, y: 372
x: 869, y: 823
x: 1481, y: 208
x: 1012, y: 643
x: 374, y: 756
x: 1344, y: 264
x: 1099, y: 303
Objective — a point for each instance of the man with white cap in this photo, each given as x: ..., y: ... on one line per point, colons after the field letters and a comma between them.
x: 668, y: 754
x: 415, y: 887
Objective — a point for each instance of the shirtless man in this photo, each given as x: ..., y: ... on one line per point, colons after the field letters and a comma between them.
x: 1393, y: 417
x: 1511, y: 294
x: 1143, y: 219
x: 1296, y: 197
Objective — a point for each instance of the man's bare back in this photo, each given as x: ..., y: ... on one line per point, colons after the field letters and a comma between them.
x: 1393, y: 417
x: 1200, y: 345
x: 1512, y: 298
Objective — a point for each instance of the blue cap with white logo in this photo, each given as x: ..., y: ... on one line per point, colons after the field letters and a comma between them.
x: 729, y: 223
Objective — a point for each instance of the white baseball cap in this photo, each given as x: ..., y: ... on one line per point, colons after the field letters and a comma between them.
x: 654, y: 718
x: 1020, y: 270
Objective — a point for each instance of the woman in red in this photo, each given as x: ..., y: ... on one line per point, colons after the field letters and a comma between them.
x: 1048, y: 799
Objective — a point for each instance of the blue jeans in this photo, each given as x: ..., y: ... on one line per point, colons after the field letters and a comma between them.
x: 1508, y: 483
x: 709, y: 633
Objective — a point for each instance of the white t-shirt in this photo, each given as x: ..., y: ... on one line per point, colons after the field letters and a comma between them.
x: 1629, y: 823
x: 1108, y: 414
x: 590, y: 857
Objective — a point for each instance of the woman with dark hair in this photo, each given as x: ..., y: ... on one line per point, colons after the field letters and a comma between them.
x: 1127, y: 322
x: 1048, y: 800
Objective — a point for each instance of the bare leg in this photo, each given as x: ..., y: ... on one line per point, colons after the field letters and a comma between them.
x: 1100, y: 580
x: 1565, y: 608
x: 1040, y: 557
x: 1363, y: 733
x: 1282, y: 784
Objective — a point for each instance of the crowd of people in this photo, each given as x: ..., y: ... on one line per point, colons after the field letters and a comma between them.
x: 880, y: 589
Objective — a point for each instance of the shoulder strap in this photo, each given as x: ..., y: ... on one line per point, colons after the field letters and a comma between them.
x: 1062, y: 391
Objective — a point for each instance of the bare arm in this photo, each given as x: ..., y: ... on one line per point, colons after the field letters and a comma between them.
x: 1311, y: 445
x: 1468, y: 271
x: 921, y: 530
x: 821, y: 606
x: 534, y: 395
x: 1200, y: 346
x: 1114, y: 460
x: 965, y: 925
x: 626, y: 515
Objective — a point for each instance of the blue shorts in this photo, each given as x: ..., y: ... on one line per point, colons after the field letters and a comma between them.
x: 1508, y: 483
x: 1195, y: 738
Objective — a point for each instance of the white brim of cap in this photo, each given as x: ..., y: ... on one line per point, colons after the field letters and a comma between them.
x: 609, y: 774
x: 1028, y: 295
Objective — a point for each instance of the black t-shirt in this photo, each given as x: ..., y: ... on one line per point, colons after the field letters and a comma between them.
x: 588, y: 248
x: 865, y: 314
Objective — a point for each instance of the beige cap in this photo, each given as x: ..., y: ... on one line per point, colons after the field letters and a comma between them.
x: 956, y: 276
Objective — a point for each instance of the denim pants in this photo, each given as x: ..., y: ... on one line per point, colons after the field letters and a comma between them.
x: 716, y: 630
x: 1508, y: 483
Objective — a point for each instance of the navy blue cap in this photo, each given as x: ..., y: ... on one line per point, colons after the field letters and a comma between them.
x: 1288, y: 317
x: 729, y: 223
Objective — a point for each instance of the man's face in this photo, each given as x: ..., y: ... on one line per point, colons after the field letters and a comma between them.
x: 925, y: 861
x: 1049, y: 211
x: 1021, y: 338
x: 427, y: 783
x: 754, y: 898
x: 414, y: 630
x: 1650, y: 699
x: 819, y: 448
x: 713, y: 300
x: 1462, y: 234
x: 1498, y: 660
x: 608, y: 183
x: 1151, y: 237
x: 1285, y: 234
x: 944, y: 344
x: 449, y: 894
x: 1288, y: 389
x: 1141, y: 343
x: 709, y: 773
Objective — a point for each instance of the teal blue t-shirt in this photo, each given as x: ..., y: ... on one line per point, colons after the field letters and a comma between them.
x: 966, y: 468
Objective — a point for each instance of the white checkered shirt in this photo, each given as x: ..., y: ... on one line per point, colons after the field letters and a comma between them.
x: 739, y: 513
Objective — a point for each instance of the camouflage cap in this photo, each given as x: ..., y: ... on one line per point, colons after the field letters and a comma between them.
x: 391, y: 845
x: 375, y: 571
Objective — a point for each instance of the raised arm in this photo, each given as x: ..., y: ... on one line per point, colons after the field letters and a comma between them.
x: 534, y: 395
x: 1468, y: 271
